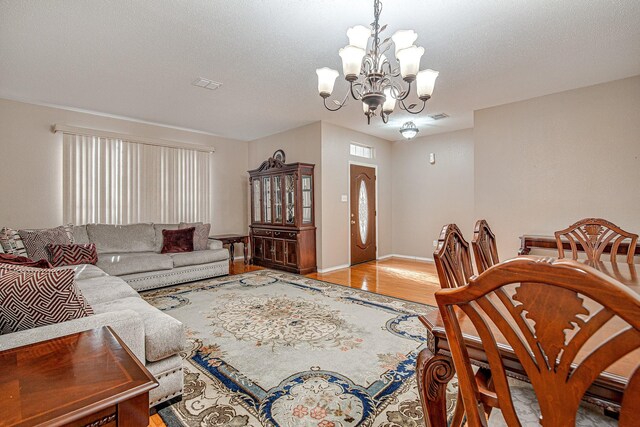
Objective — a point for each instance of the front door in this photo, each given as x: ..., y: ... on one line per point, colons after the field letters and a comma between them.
x: 363, y: 214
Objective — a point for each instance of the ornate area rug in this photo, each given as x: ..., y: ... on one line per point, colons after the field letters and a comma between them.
x: 274, y: 349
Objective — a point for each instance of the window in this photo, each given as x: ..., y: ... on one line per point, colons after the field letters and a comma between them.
x: 360, y: 150
x: 113, y: 181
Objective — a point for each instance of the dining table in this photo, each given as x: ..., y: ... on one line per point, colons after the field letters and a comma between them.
x: 435, y: 367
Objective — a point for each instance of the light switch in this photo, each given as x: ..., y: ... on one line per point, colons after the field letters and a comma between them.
x: 344, y: 198
x: 432, y: 158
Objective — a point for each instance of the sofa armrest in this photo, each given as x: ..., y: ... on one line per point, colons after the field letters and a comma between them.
x: 126, y: 323
x: 214, y: 244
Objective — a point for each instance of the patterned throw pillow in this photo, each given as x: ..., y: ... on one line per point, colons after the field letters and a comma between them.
x: 200, y: 235
x: 21, y: 260
x: 36, y: 241
x: 32, y: 297
x: 174, y: 241
x: 11, y: 242
x: 74, y: 254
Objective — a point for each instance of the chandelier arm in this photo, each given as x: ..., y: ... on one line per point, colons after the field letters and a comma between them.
x: 339, y: 106
x: 404, y: 93
x: 411, y: 111
x: 357, y: 95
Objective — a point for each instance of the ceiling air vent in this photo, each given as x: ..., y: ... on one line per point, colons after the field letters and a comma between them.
x: 206, y: 83
x: 439, y: 116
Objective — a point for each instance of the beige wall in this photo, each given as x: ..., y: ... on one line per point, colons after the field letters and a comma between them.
x: 427, y: 196
x: 335, y: 183
x: 300, y: 145
x: 31, y: 164
x: 544, y: 163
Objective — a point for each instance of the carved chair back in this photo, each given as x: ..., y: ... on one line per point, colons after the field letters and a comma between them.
x: 593, y: 235
x: 484, y: 246
x: 453, y: 258
x: 546, y: 310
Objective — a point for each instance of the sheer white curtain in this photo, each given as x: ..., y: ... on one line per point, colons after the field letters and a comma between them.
x: 113, y: 181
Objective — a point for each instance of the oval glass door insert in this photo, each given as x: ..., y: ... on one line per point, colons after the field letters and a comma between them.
x: 363, y: 212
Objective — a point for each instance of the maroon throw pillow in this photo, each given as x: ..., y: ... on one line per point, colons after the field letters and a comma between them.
x: 23, y: 260
x: 74, y: 254
x: 174, y: 241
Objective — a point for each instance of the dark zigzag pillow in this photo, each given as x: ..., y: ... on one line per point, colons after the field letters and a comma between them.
x: 62, y: 255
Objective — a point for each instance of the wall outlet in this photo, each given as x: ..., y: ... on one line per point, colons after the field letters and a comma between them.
x: 435, y: 243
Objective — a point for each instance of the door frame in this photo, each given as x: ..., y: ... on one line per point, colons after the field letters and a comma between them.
x: 375, y: 168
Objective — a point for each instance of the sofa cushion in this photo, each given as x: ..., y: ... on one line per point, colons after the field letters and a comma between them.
x: 79, y: 233
x: 200, y: 235
x: 32, y: 297
x: 84, y: 271
x: 74, y: 254
x: 164, y: 335
x: 199, y: 257
x: 97, y: 290
x: 122, y: 238
x: 119, y: 264
x: 158, y: 234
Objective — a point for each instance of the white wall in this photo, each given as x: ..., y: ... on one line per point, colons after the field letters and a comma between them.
x: 544, y: 163
x: 31, y: 165
x: 335, y: 183
x: 427, y: 196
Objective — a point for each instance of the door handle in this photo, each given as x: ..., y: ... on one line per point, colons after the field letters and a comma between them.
x: 353, y: 222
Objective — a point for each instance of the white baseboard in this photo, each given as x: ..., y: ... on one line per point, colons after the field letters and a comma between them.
x: 415, y: 258
x: 334, y: 268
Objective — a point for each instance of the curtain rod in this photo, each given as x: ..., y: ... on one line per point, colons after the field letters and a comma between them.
x: 72, y: 130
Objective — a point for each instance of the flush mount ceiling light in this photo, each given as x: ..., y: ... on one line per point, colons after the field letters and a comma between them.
x: 374, y: 79
x: 409, y: 130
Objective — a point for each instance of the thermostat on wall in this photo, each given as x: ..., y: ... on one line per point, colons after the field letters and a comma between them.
x: 432, y: 158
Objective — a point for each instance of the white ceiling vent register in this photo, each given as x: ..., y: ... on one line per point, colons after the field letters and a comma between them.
x: 439, y: 116
x: 206, y: 83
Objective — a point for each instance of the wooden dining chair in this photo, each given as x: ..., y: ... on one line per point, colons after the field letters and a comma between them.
x: 593, y: 236
x: 547, y: 310
x: 452, y: 258
x: 484, y: 246
x: 453, y: 264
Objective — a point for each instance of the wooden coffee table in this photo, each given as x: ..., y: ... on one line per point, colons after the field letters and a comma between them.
x: 231, y: 239
x: 88, y: 378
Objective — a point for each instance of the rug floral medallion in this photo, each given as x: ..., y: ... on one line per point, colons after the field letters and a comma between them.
x: 274, y: 349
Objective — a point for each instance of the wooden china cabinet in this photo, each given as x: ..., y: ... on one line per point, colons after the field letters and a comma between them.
x: 283, y: 231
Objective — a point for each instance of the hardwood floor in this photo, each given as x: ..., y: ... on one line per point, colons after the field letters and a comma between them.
x: 396, y: 277
x: 401, y: 278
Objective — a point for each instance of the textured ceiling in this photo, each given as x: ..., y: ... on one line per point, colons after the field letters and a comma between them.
x: 138, y: 58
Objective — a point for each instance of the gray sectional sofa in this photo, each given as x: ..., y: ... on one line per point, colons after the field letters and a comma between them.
x: 132, y: 252
x: 129, y: 261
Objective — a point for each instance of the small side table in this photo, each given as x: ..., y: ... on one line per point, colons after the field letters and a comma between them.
x: 88, y: 378
x: 231, y: 239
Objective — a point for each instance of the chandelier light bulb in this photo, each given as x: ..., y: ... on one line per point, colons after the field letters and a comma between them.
x: 351, y: 61
x: 409, y: 59
x: 389, y: 103
x: 402, y: 39
x: 425, y: 81
x: 359, y: 36
x: 409, y: 130
x: 326, y: 80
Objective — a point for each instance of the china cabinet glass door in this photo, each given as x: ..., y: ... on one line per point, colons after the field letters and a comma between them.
x: 256, y: 201
x: 307, y: 200
x: 290, y: 192
x: 266, y: 198
x: 277, y: 199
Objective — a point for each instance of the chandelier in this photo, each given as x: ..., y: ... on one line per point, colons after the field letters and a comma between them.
x: 372, y: 77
